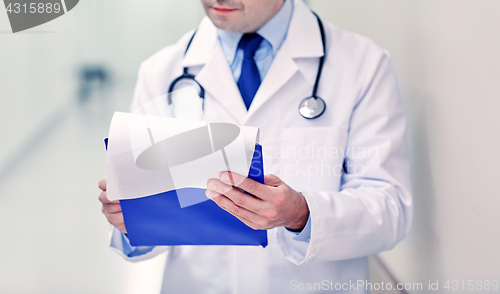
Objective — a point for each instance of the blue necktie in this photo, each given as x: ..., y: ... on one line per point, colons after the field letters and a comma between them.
x: 249, y: 81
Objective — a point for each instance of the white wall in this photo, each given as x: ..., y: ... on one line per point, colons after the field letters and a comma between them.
x: 39, y: 67
x: 53, y: 236
x: 447, y: 53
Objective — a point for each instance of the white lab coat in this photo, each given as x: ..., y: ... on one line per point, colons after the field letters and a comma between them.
x: 355, y: 214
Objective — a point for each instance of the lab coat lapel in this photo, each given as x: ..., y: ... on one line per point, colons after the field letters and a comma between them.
x: 218, y: 80
x: 303, y: 43
x: 215, y: 76
x: 281, y: 70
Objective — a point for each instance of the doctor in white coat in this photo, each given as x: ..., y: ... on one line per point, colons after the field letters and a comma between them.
x: 339, y: 185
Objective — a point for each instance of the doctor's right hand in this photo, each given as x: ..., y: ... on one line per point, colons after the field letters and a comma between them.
x: 111, y: 209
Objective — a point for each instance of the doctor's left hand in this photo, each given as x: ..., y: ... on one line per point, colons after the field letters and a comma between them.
x: 275, y: 204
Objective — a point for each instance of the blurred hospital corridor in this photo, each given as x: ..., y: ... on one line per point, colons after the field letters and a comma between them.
x: 61, y: 82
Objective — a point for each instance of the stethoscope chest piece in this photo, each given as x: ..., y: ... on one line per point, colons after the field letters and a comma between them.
x: 312, y: 107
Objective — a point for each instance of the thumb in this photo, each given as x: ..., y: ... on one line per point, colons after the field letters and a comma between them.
x: 272, y: 180
x: 102, y: 184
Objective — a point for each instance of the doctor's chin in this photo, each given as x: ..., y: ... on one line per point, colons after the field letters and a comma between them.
x: 249, y: 146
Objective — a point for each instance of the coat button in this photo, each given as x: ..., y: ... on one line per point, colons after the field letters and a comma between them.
x: 311, y: 259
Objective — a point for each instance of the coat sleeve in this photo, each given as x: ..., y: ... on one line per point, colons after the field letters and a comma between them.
x: 373, y: 210
x: 120, y: 243
x: 142, y: 92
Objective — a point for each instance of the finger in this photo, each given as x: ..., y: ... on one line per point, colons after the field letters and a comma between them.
x: 211, y: 194
x: 104, y: 199
x: 248, y: 223
x: 116, y: 219
x: 229, y: 206
x: 217, y: 186
x: 239, y: 198
x: 102, y: 184
x: 250, y: 219
x: 246, y: 184
x: 111, y: 208
x: 272, y: 180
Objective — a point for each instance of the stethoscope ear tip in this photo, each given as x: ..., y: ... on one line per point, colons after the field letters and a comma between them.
x: 312, y: 107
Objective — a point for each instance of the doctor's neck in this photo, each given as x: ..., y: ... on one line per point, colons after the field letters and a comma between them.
x: 241, y: 16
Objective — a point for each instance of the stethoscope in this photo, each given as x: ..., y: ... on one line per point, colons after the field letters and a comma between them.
x: 310, y: 108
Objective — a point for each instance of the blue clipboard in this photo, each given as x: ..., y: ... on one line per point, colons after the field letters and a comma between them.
x: 159, y: 220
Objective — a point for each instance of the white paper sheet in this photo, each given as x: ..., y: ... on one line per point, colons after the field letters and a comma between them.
x: 148, y: 155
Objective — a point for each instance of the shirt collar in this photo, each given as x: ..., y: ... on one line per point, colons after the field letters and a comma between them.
x: 274, y: 31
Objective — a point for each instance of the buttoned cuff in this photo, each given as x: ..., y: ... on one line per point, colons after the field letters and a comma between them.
x: 121, y: 244
x: 295, y: 244
x: 305, y: 234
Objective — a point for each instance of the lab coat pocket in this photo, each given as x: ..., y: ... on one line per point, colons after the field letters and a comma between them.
x: 311, y: 159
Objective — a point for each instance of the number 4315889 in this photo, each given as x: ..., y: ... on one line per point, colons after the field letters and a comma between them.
x: 34, y: 8
x: 471, y: 285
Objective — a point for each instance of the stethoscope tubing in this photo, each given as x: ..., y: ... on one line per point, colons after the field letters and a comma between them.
x: 319, y: 101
